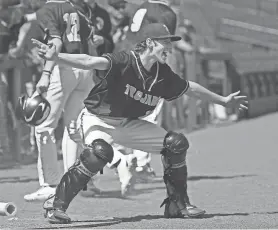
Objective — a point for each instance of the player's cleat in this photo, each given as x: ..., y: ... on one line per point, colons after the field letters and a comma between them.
x: 41, y: 195
x: 56, y: 216
x: 192, y: 211
x: 172, y: 210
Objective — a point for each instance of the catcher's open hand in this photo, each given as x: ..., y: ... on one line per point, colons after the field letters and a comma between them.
x: 237, y: 102
x: 47, y: 52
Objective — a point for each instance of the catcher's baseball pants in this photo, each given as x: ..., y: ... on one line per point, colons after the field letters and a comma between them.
x: 144, y: 158
x: 68, y: 88
x: 134, y: 134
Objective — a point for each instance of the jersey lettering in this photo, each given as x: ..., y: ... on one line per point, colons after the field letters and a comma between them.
x: 73, y: 27
x: 137, y: 20
x: 138, y: 96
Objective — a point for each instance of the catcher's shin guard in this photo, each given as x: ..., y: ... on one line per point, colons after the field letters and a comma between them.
x: 91, y: 161
x: 175, y: 177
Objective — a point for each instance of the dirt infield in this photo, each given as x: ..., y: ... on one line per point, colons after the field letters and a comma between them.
x: 233, y: 175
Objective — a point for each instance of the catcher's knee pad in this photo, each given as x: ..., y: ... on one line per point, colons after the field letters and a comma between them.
x: 174, y: 151
x: 97, y: 155
x: 175, y: 143
x: 175, y: 173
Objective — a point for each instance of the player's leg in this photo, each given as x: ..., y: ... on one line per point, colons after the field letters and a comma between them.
x: 92, y: 159
x: 138, y: 134
x: 47, y: 162
x: 124, y: 168
x: 70, y: 148
x: 173, y: 155
x: 144, y: 170
x: 73, y: 107
x: 92, y: 128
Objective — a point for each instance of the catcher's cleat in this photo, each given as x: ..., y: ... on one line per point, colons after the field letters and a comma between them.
x: 54, y: 216
x: 57, y: 217
x: 192, y: 211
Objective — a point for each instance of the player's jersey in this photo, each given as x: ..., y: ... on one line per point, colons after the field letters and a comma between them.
x: 130, y: 91
x: 63, y: 21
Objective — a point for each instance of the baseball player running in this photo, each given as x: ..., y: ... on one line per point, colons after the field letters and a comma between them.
x: 132, y: 86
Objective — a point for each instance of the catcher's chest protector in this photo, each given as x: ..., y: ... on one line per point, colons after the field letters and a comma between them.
x: 175, y: 179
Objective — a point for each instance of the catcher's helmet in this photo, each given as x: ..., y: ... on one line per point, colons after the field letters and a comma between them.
x: 33, y: 110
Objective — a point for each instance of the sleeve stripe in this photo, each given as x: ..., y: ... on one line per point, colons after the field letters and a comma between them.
x: 110, y: 68
x: 175, y: 97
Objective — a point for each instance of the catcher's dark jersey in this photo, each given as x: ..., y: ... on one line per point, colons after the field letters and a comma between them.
x: 63, y: 21
x: 130, y: 91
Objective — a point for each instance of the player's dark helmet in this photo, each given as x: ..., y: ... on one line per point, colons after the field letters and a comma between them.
x: 33, y: 110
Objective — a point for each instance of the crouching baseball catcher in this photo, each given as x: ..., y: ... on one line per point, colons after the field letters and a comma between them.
x: 132, y: 85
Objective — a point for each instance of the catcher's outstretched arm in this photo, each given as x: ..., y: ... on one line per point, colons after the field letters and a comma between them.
x: 83, y: 61
x: 79, y: 61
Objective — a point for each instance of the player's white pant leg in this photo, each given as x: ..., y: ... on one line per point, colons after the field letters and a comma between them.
x: 73, y: 107
x: 40, y: 170
x: 69, y: 150
x: 143, y: 158
x: 123, y: 168
x: 94, y: 128
x: 57, y: 96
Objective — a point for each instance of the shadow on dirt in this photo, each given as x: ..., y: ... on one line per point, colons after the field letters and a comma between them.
x: 142, y: 217
x: 112, y: 221
x: 208, y: 216
x: 205, y: 216
x: 117, y: 193
x: 157, y: 181
x: 83, y: 224
x: 102, y: 223
x: 16, y: 179
x: 137, y: 191
x: 197, y: 178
